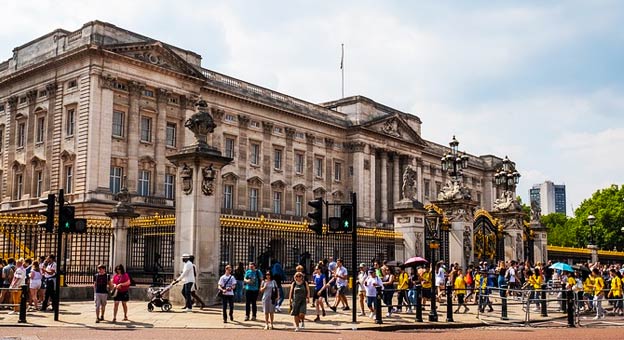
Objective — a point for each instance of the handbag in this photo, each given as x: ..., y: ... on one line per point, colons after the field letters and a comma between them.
x: 274, y: 294
x: 219, y: 291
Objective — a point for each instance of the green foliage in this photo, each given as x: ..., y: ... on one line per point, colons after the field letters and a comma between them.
x: 525, y: 209
x: 607, y: 205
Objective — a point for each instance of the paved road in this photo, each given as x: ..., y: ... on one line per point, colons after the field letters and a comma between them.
x: 238, y: 334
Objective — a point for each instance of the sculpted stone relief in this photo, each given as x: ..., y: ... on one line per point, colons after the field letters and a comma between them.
x: 409, y: 183
x: 507, y: 202
x: 452, y: 190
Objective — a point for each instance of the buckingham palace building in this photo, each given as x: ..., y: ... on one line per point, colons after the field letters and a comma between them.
x: 101, y: 108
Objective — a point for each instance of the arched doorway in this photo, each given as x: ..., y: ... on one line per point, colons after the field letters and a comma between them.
x: 487, y: 242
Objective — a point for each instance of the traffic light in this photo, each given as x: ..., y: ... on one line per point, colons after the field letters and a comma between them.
x: 48, y: 212
x: 316, y: 216
x: 346, y: 218
x: 66, y: 218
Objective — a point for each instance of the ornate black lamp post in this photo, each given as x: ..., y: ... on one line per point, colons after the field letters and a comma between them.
x: 432, y: 239
x: 591, y: 220
x: 453, y: 162
x: 507, y: 177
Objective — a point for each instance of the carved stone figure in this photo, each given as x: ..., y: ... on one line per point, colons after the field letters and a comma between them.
x: 208, y: 176
x: 391, y: 127
x: 536, y: 212
x: 467, y: 245
x: 409, y: 183
x: 187, y: 179
x: 519, y: 247
x: 452, y: 191
x: 507, y: 202
x: 419, y: 244
x: 201, y: 123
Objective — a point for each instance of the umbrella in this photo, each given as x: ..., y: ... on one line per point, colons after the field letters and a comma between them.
x: 393, y: 263
x: 416, y: 260
x: 581, y: 268
x: 562, y: 266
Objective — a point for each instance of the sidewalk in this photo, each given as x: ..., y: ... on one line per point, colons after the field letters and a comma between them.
x: 82, y: 314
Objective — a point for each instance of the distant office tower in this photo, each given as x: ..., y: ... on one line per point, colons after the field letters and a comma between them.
x: 551, y: 197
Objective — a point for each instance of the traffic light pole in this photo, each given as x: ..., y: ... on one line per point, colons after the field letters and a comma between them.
x: 354, y: 266
x: 59, y: 259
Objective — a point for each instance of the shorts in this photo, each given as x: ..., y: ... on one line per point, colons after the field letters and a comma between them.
x: 122, y: 296
x: 370, y: 301
x: 426, y: 293
x: 439, y: 282
x: 460, y: 299
x: 317, y: 296
x: 100, y: 300
x: 341, y: 290
x: 35, y: 284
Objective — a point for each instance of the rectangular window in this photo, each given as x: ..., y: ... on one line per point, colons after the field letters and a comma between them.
x: 144, y: 183
x: 169, y: 186
x: 22, y: 100
x: 171, y: 134
x: 148, y: 93
x: 1, y: 107
x: 173, y: 100
x: 229, y: 147
x: 69, y: 179
x: 277, y: 130
x: 337, y: 171
x: 38, y: 183
x: 277, y: 202
x: 40, y: 129
x: 299, y: 162
x: 21, y: 134
x: 118, y: 123
x: 254, y: 124
x: 121, y: 86
x: 277, y: 159
x: 255, y: 154
x: 70, y: 121
x: 116, y: 175
x: 43, y: 93
x: 253, y: 199
x: 427, y: 192
x: 318, y: 167
x: 19, y: 186
x: 230, y: 118
x: 228, y: 191
x: 298, y: 205
x: 438, y: 188
x: 146, y: 129
x: 71, y: 84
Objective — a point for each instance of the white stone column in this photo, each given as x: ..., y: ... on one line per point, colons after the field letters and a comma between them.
x: 133, y: 132
x: 384, y: 186
x: 373, y: 183
x: 396, y: 179
x: 420, y: 182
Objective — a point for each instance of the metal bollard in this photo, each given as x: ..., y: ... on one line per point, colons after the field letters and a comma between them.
x: 23, y: 301
x: 419, y: 303
x: 449, y: 303
x: 543, y: 298
x: 570, y: 300
x: 378, y: 307
x: 504, y: 294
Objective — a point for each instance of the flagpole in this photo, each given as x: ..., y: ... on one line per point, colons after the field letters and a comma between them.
x: 342, y: 69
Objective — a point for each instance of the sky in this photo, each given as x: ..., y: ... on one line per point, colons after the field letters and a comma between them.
x: 539, y: 81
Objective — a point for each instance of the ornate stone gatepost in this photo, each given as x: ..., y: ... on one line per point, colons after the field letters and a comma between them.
x: 537, y: 235
x: 409, y: 218
x: 198, y: 203
x: 120, y: 218
x: 509, y: 212
x: 455, y: 201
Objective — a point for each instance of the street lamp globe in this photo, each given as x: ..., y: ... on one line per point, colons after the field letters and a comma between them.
x: 591, y: 220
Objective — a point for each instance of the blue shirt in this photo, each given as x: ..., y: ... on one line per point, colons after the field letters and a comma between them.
x: 318, y: 281
x: 255, y: 278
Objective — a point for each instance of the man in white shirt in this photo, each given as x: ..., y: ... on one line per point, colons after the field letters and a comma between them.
x: 341, y: 275
x: 188, y: 276
x: 19, y: 279
x: 370, y: 284
x: 49, y: 274
x: 362, y: 276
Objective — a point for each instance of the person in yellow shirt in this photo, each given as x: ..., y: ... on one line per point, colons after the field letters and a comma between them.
x: 426, y: 286
x: 535, y: 281
x: 615, y: 292
x: 460, y: 291
x: 588, y: 293
x: 402, y: 287
x: 598, y: 294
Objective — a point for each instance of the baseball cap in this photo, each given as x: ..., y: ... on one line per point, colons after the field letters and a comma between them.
x: 371, y: 271
x: 362, y: 264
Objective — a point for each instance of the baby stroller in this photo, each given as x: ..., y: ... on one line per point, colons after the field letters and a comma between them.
x: 159, y: 297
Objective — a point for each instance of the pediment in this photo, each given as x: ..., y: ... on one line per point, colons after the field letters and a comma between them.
x: 156, y: 54
x: 394, y: 126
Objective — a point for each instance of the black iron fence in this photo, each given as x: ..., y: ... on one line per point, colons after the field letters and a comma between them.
x: 150, y: 249
x: 261, y: 240
x: 21, y: 236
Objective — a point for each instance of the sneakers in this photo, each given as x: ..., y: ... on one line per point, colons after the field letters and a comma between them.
x: 409, y: 311
x: 253, y: 318
x: 363, y: 314
x: 388, y: 314
x: 372, y: 315
x: 266, y: 327
x: 302, y: 324
x: 186, y: 310
x: 346, y: 308
x: 12, y: 312
x: 97, y: 320
x: 296, y: 329
x: 247, y: 318
x: 318, y: 318
x: 332, y: 308
x: 278, y: 309
x: 466, y: 310
x: 231, y: 317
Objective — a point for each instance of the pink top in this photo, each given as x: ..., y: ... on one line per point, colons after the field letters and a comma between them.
x: 117, y: 279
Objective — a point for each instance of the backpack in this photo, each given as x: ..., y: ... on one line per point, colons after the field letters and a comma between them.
x: 468, y: 278
x: 8, y: 275
x: 274, y: 293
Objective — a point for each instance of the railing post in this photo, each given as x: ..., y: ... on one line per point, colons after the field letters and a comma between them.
x: 504, y: 294
x: 543, y: 298
x: 570, y: 306
x: 419, y: 303
x: 449, y: 302
x: 378, y: 307
x: 23, y: 301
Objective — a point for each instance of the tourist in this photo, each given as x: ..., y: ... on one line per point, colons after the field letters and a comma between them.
x: 615, y: 292
x: 270, y: 295
x: 362, y: 275
x: 459, y: 286
x: 341, y: 278
x: 299, y: 297
x: 35, y: 284
x: 19, y: 280
x: 239, y: 275
x: 101, y: 283
x: 371, y: 284
x: 252, y: 281
x: 403, y: 284
x: 121, y: 284
x: 598, y: 293
x: 278, y: 276
x: 227, y: 286
x: 188, y: 276
x: 388, y: 289
x: 49, y: 276
x: 320, y: 283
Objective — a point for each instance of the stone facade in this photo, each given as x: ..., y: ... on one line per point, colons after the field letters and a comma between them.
x: 101, y: 108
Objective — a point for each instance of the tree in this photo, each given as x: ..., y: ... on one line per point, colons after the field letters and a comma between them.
x: 607, y: 205
x: 561, y: 230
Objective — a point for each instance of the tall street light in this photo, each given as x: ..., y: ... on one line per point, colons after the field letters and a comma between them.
x: 453, y: 162
x: 591, y: 219
x: 432, y: 238
x: 507, y: 177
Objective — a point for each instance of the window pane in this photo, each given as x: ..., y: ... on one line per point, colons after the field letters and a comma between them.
x: 171, y: 134
x: 169, y: 186
x: 229, y: 147
x: 278, y: 159
x: 115, y: 179
x: 253, y: 199
x: 146, y: 129
x: 118, y: 120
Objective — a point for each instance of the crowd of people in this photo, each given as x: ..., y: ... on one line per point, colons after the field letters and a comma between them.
x: 593, y: 284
